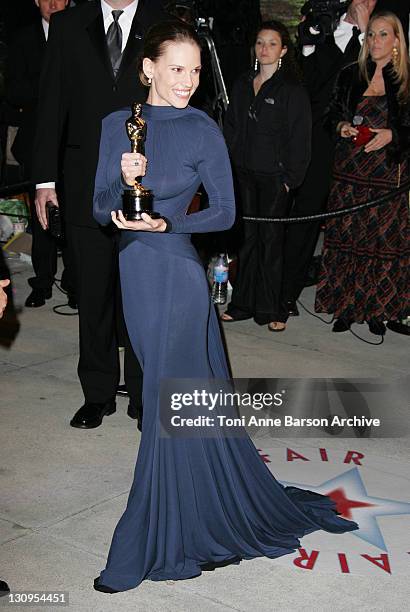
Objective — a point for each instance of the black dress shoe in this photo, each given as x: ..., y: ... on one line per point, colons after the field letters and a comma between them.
x: 399, y: 327
x: 38, y: 298
x: 292, y: 308
x: 102, y: 588
x: 135, y: 412
x: 4, y: 588
x: 341, y: 325
x: 122, y: 390
x: 210, y: 566
x: 376, y: 327
x: 91, y: 414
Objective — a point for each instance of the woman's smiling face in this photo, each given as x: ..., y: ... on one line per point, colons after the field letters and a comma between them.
x: 175, y: 74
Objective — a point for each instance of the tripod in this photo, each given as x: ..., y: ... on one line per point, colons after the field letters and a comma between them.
x: 221, y: 100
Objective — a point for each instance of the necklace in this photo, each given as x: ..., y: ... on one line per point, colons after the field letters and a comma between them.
x: 376, y: 87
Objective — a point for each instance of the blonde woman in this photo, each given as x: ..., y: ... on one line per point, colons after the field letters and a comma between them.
x: 366, y: 256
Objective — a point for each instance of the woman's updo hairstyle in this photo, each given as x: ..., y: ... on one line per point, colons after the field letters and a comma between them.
x: 159, y: 36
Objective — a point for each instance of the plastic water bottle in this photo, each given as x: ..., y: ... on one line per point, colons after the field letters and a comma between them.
x: 220, y: 284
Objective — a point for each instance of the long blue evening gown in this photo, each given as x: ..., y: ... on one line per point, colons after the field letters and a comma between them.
x: 200, y: 499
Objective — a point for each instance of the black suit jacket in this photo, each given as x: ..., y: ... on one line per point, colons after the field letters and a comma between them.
x: 77, y: 90
x: 24, y: 61
x: 321, y: 69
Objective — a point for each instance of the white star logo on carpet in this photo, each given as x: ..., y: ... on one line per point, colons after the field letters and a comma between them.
x: 370, y: 490
x: 354, y: 503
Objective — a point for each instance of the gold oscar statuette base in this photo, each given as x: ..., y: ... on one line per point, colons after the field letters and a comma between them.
x: 137, y: 201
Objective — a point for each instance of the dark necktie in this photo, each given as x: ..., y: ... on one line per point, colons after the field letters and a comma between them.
x: 114, y: 41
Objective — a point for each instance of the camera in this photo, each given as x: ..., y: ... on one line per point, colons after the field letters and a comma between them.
x: 322, y: 16
x: 191, y: 11
x: 54, y: 220
x: 196, y: 13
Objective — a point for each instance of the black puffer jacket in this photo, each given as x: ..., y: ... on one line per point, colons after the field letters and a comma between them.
x: 271, y: 132
x: 349, y: 88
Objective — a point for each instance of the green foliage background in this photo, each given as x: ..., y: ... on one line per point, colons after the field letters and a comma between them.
x: 287, y: 11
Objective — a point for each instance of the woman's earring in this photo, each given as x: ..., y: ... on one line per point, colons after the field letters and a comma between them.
x: 395, y: 57
x: 279, y: 63
x: 256, y: 66
x: 149, y: 80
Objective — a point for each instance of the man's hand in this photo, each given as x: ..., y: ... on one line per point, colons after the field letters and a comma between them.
x: 3, y: 295
x: 146, y: 225
x: 44, y: 195
x: 359, y: 13
x: 383, y: 137
x: 362, y: 16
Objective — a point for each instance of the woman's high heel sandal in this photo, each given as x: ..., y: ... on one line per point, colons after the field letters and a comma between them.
x: 276, y: 326
x: 227, y: 318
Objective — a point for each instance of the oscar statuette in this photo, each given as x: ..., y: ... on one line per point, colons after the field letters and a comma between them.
x: 137, y: 200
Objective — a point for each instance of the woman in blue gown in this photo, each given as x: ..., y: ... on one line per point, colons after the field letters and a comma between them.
x: 195, y: 502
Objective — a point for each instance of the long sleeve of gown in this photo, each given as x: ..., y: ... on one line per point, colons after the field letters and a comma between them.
x: 107, y: 194
x: 214, y: 168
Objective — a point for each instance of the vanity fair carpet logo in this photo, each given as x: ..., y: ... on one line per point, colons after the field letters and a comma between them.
x: 370, y: 490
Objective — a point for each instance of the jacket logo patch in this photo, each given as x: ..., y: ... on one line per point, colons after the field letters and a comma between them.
x: 269, y: 100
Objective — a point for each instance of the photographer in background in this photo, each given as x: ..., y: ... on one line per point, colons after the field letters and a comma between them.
x: 321, y: 64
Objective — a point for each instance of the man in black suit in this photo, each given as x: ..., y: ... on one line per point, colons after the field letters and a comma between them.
x: 321, y: 64
x: 90, y: 71
x: 25, y: 57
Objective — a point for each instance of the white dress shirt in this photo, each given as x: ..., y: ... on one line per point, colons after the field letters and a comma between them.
x: 45, y: 25
x: 342, y: 34
x: 125, y: 21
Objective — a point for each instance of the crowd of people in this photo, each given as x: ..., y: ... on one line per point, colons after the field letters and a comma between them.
x: 274, y: 148
x: 282, y: 149
x: 294, y: 135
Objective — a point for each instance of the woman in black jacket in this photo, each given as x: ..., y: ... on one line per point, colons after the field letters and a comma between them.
x: 268, y: 132
x: 365, y: 273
